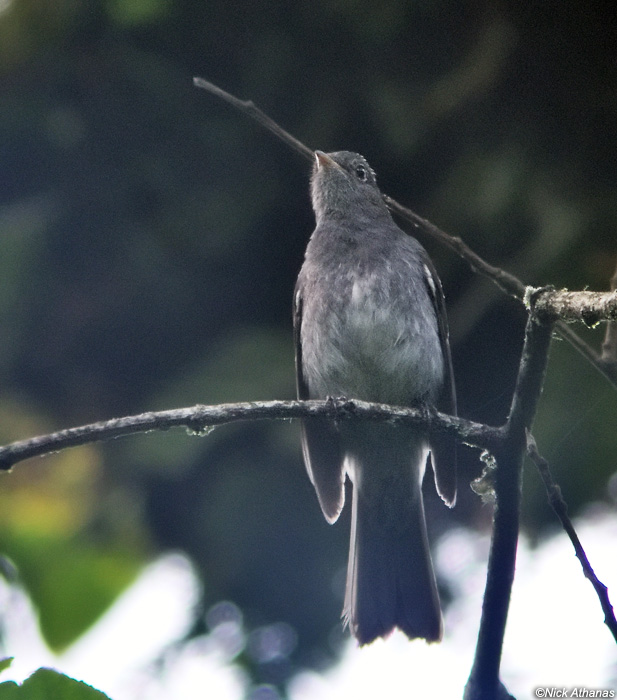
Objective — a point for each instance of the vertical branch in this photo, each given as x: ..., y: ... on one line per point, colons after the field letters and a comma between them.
x: 484, y: 682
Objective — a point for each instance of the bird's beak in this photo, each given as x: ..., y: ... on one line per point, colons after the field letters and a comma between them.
x: 323, y: 160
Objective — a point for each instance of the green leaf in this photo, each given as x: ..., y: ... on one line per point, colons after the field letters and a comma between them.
x: 47, y: 684
x: 5, y: 663
x: 9, y: 691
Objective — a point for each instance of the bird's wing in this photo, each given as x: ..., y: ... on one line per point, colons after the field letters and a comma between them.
x: 443, y: 447
x: 321, y: 442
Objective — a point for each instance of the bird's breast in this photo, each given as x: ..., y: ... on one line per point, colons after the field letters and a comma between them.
x: 371, y: 335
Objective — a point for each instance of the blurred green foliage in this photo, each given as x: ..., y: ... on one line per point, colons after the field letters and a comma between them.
x: 150, y: 238
x: 72, y: 558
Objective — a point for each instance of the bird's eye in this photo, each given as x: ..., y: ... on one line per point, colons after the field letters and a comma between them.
x: 361, y: 172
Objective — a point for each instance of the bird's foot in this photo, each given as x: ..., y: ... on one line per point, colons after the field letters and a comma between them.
x: 339, y: 405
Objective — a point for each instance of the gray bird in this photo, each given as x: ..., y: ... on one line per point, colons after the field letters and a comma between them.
x: 370, y: 324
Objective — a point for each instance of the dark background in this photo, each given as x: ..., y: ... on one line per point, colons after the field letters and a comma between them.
x: 150, y: 237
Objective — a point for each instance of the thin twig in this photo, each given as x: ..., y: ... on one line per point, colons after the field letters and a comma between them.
x: 560, y: 507
x: 200, y: 419
x: 248, y: 107
x: 506, y: 281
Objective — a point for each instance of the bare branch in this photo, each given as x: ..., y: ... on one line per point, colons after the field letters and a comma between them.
x: 560, y: 507
x: 508, y: 283
x: 484, y: 680
x: 587, y: 307
x: 200, y: 419
x: 248, y: 107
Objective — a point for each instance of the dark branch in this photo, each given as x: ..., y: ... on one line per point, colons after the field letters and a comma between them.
x: 249, y: 108
x: 484, y: 683
x: 561, y: 510
x: 199, y: 419
x: 504, y: 280
x: 530, y: 380
x: 589, y: 308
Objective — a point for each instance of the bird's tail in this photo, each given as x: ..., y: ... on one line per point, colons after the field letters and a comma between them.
x: 390, y: 578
